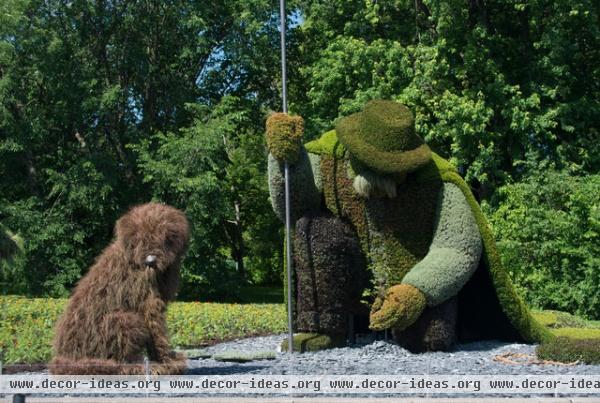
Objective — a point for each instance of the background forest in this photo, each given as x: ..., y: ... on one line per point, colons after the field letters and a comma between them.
x: 109, y: 103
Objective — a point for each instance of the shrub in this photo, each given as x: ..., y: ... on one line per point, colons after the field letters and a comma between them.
x: 27, y: 325
x: 548, y: 232
x: 567, y: 350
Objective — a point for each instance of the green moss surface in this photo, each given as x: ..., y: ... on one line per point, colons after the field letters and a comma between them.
x: 569, y: 350
x: 559, y: 319
x: 341, y: 199
x: 577, y: 333
x: 241, y: 356
x: 327, y: 144
x: 399, y: 308
x: 512, y: 305
x: 401, y: 229
x: 305, y: 195
x: 330, y: 274
x: 435, y: 330
x: 383, y: 137
x: 303, y: 342
x: 454, y: 253
x: 343, y: 202
x: 284, y: 135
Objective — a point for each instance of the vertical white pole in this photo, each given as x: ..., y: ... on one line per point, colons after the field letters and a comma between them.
x: 288, y: 234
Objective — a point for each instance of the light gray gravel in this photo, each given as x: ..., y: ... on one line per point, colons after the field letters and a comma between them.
x: 382, y: 358
x: 379, y: 358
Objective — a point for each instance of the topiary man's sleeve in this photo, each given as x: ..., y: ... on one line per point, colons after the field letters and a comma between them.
x: 305, y: 184
x: 454, y: 253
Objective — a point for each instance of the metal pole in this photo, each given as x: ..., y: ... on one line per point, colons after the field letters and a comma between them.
x: 283, y: 59
x: 288, y: 235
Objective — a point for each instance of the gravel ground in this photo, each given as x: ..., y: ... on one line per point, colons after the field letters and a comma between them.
x: 380, y: 358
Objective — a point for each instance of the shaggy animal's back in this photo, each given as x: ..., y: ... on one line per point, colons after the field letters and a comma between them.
x: 108, y: 287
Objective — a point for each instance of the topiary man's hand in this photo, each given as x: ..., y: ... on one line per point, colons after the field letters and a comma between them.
x: 399, y: 308
x: 284, y: 135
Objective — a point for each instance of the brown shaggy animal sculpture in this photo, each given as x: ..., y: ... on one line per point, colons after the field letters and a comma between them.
x: 116, y: 314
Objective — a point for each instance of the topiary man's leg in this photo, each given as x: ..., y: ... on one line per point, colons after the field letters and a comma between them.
x: 435, y: 330
x: 330, y: 276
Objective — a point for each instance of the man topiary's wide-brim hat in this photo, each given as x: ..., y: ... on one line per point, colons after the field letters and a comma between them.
x: 382, y: 136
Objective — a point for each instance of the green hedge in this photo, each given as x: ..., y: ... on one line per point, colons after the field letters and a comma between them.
x: 26, y: 325
x: 547, y: 229
x: 569, y: 350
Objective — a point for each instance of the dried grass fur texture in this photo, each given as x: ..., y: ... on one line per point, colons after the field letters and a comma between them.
x: 116, y: 314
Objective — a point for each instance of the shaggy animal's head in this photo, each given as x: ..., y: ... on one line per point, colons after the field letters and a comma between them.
x: 153, y: 236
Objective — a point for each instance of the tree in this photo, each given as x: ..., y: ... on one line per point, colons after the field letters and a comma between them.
x: 493, y: 83
x: 82, y: 84
x: 215, y: 170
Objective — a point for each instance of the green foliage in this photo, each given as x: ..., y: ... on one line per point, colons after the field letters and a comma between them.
x: 303, y: 342
x: 400, y: 308
x: 193, y: 324
x: 577, y: 333
x: 569, y: 350
x: 27, y: 325
x: 492, y: 84
x: 559, y: 320
x: 27, y: 328
x: 512, y: 304
x: 304, y: 177
x: 548, y: 231
x: 213, y: 170
x: 86, y: 86
x: 387, y: 252
x: 382, y: 136
x: 330, y: 274
x: 240, y: 356
x: 454, y: 253
x: 327, y: 144
x: 284, y: 135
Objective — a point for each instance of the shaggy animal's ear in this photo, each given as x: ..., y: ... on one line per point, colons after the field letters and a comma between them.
x: 125, y: 230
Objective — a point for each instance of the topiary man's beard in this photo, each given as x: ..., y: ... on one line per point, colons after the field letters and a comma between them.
x: 369, y: 184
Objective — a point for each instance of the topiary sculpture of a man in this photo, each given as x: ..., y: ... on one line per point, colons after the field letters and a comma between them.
x: 378, y: 214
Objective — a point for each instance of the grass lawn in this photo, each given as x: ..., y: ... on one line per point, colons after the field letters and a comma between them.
x: 27, y: 324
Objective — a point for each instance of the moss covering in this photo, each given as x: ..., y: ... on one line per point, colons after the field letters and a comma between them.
x: 327, y: 144
x: 567, y: 350
x: 401, y: 307
x: 304, y: 342
x: 454, y: 253
x: 284, y: 134
x: 435, y: 330
x: 577, y: 333
x: 400, y: 230
x: 330, y: 274
x: 383, y: 137
x: 195, y: 353
x: 341, y: 199
x: 305, y: 195
x: 512, y: 305
x: 241, y: 356
x: 490, y: 298
x: 558, y: 319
